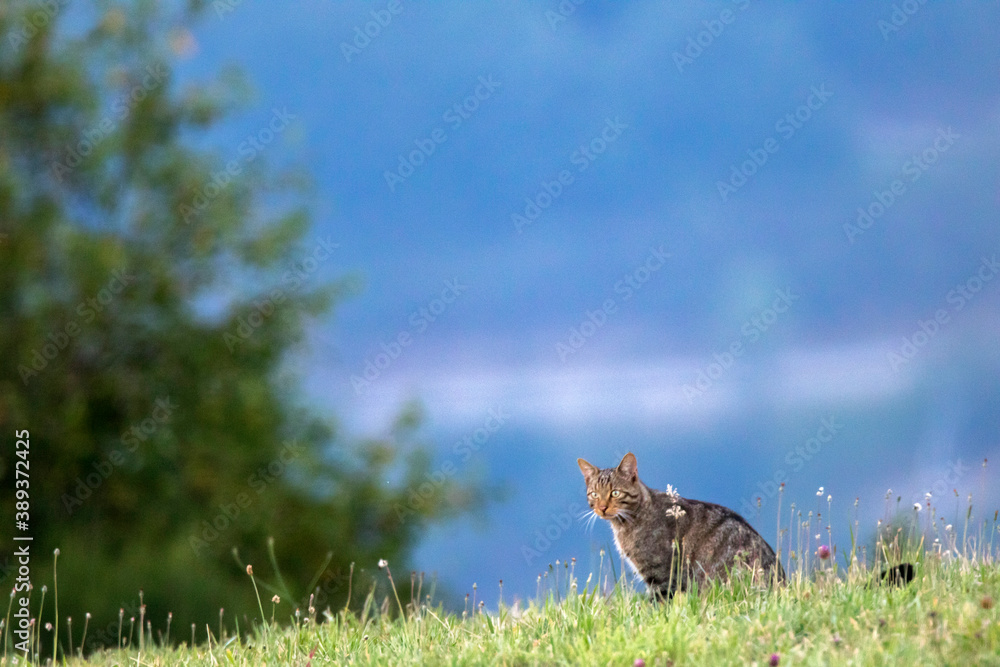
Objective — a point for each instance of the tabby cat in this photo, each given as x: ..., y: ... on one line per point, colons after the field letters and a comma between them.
x: 672, y: 541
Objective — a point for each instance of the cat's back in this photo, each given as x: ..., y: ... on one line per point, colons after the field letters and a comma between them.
x: 714, y: 536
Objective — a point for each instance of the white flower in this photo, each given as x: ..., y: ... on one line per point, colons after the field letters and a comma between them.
x: 382, y: 563
x: 916, y: 507
x: 927, y: 496
x: 675, y: 512
x: 948, y: 527
x: 820, y: 492
x: 672, y: 493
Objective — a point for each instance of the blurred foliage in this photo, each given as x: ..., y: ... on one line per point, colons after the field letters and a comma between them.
x: 143, y: 332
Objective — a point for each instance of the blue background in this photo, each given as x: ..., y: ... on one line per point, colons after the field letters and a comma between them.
x: 700, y: 89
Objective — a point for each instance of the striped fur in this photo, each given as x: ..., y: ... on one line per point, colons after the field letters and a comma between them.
x: 671, y: 541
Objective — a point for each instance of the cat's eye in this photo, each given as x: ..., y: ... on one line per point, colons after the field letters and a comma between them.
x: 593, y: 494
x: 615, y: 493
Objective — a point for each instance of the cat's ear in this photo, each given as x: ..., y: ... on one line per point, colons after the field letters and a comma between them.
x: 629, y: 467
x: 588, y: 470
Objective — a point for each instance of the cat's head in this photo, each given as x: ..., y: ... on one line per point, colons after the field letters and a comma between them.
x: 612, y: 492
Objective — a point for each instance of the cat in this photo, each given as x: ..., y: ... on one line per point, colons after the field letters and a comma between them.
x: 671, y: 541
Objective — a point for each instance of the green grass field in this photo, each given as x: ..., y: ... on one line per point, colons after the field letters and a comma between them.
x: 947, y: 616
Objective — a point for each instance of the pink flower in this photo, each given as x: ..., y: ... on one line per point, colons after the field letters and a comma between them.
x: 823, y: 552
x: 775, y: 659
x: 639, y: 662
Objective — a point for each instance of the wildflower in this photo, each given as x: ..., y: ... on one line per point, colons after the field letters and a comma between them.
x: 820, y: 492
x: 775, y: 659
x: 986, y: 602
x: 888, y: 494
x: 276, y: 599
x: 672, y: 493
x: 639, y: 662
x: 927, y: 496
x: 823, y: 552
x: 675, y: 512
x: 382, y: 563
x: 250, y: 570
x: 948, y: 527
x: 48, y: 626
x: 916, y: 507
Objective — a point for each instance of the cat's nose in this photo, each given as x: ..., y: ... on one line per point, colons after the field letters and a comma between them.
x: 604, y: 508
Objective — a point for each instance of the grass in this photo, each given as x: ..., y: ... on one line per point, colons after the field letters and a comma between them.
x: 826, y: 614
x: 947, y: 616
